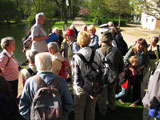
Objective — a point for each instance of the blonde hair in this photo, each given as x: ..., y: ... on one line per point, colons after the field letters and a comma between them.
x: 43, y: 61
x: 83, y: 39
x: 91, y: 27
x: 133, y: 59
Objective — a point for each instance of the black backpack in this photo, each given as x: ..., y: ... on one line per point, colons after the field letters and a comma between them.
x: 47, y: 104
x: 92, y: 78
x: 109, y: 74
x: 121, y: 44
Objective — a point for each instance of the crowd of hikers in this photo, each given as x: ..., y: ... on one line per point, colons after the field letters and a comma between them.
x: 78, y: 71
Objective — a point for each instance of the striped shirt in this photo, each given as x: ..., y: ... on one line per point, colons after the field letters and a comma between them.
x: 9, y: 69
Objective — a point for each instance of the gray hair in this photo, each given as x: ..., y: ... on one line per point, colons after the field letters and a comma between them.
x: 43, y: 61
x: 5, y: 42
x: 110, y: 24
x: 38, y: 15
x: 30, y: 55
x: 72, y: 27
x: 54, y: 46
x: 54, y: 30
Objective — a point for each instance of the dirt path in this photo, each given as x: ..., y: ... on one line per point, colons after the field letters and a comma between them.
x: 130, y: 33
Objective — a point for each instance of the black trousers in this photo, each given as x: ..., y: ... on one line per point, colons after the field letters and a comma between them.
x: 137, y: 88
x: 14, y: 87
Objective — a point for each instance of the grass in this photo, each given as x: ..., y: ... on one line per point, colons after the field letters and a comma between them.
x: 122, y: 112
x: 90, y: 23
x: 60, y: 24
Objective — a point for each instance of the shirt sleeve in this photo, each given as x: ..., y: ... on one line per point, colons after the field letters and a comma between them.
x: 25, y: 102
x: 3, y: 61
x: 67, y: 101
x: 35, y: 32
x: 75, y: 47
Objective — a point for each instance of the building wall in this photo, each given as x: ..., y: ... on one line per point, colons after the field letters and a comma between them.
x: 148, y: 22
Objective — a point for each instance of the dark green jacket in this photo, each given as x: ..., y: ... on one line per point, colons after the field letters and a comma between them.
x: 117, y: 60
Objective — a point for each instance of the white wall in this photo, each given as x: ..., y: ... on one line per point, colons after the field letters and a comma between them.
x: 148, y: 22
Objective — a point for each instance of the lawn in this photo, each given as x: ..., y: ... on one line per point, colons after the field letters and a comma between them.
x: 122, y: 112
x: 60, y: 24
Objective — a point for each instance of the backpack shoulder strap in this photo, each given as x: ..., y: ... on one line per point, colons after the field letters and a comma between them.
x: 158, y: 51
x: 92, y: 57
x: 3, y: 53
x: 82, y: 58
x: 39, y: 81
x: 56, y: 81
x: 30, y: 71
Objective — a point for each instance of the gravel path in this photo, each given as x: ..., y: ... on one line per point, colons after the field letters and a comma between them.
x: 130, y: 33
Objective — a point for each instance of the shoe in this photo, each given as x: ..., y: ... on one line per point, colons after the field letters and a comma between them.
x: 132, y: 105
x: 121, y: 101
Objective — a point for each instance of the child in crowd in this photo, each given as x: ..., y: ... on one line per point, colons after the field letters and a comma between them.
x: 127, y: 78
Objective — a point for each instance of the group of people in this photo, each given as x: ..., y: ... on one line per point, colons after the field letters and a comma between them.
x: 47, y: 60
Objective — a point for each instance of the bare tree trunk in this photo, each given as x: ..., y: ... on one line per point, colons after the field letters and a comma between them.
x: 64, y: 12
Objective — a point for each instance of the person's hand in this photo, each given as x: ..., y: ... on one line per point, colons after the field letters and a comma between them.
x: 46, y: 37
x: 134, y: 72
x: 92, y: 97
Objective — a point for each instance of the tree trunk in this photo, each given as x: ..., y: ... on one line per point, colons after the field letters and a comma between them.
x: 70, y: 9
x: 119, y: 21
x: 61, y: 14
x: 64, y: 12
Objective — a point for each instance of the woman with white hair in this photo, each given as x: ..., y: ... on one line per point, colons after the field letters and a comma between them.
x: 38, y: 34
x: 8, y: 63
x: 31, y: 69
x: 57, y: 59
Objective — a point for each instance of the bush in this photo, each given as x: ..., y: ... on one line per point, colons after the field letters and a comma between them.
x: 99, y: 20
x: 114, y: 20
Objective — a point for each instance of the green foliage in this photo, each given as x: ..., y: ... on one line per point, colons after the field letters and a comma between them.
x: 8, y: 11
x: 60, y: 24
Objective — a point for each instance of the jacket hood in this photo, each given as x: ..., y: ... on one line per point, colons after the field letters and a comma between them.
x: 58, y: 57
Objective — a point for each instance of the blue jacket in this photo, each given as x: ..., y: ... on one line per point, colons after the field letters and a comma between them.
x: 31, y: 87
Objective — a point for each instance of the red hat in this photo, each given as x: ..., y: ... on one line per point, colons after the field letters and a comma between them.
x: 70, y: 32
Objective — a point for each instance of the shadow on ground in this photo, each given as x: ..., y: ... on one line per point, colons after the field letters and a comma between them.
x: 121, y: 113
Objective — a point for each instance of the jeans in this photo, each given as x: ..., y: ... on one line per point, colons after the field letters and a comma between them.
x: 122, y: 93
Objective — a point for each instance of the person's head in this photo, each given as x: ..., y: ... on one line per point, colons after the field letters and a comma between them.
x: 141, y: 44
x: 40, y: 18
x: 8, y: 43
x: 133, y: 60
x: 53, y: 47
x: 110, y: 24
x: 106, y: 38
x: 43, y: 61
x: 84, y: 28
x: 56, y: 30
x: 113, y: 30
x: 91, y: 30
x: 70, y: 34
x: 154, y: 40
x: 30, y: 55
x: 72, y: 27
x: 83, y: 39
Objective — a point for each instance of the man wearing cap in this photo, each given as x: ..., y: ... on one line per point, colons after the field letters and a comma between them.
x: 73, y: 47
x: 38, y: 34
x: 105, y: 49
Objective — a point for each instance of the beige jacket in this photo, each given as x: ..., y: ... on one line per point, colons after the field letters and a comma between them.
x: 57, y: 60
